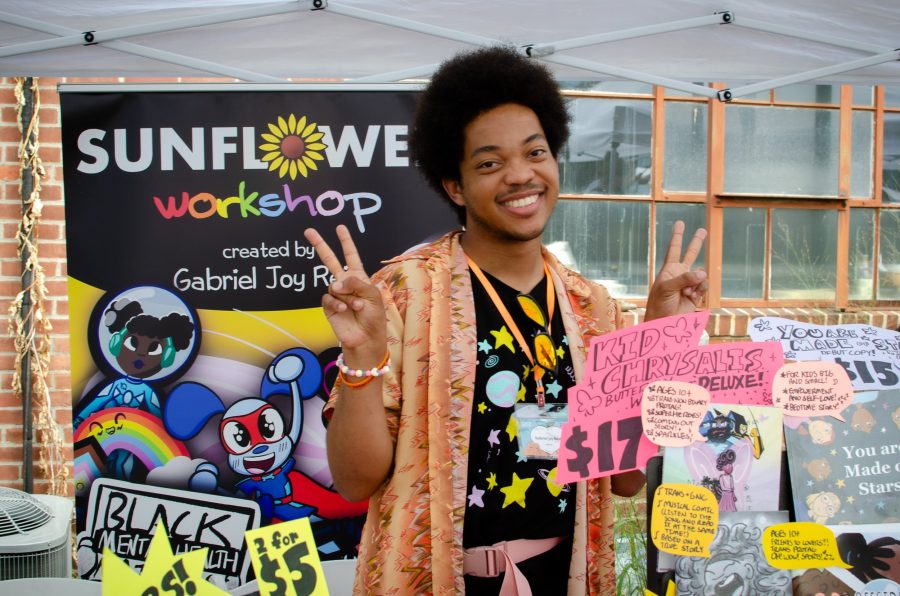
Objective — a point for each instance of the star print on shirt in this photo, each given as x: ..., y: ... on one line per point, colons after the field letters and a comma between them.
x: 482, y: 407
x: 484, y: 346
x: 512, y: 428
x: 521, y: 395
x: 492, y: 481
x: 475, y: 498
x: 560, y: 352
x: 515, y: 492
x: 562, y: 505
x: 553, y: 388
x: 503, y: 338
x: 494, y: 437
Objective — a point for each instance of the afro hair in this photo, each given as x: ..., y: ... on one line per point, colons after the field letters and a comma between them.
x: 469, y: 85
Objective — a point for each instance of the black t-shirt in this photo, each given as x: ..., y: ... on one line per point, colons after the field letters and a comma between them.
x: 532, y: 504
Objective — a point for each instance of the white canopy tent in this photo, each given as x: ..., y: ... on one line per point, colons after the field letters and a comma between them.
x: 751, y: 46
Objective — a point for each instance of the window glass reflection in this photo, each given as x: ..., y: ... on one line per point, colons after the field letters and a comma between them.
x: 606, y: 241
x: 608, y: 152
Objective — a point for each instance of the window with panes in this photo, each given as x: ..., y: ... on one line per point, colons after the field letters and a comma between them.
x: 798, y: 186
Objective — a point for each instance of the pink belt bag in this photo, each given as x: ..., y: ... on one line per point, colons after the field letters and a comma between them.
x: 491, y: 561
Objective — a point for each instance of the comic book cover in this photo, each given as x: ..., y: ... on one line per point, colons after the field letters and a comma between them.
x: 740, y: 460
x: 847, y: 471
x: 736, y: 564
x: 872, y: 550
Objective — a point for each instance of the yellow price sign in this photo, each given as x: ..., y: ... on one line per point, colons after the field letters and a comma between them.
x: 685, y: 519
x: 285, y: 559
x: 164, y: 573
x: 801, y: 545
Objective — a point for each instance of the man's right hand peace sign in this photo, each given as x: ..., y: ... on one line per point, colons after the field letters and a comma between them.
x: 353, y: 304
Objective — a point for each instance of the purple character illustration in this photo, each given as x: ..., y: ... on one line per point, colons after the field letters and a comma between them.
x: 725, y: 464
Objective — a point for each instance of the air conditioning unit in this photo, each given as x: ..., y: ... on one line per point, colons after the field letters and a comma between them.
x: 35, y: 535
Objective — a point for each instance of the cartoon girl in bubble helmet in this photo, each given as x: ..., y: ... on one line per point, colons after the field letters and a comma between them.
x: 143, y: 335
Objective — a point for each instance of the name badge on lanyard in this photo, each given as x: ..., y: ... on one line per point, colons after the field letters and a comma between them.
x: 540, y: 429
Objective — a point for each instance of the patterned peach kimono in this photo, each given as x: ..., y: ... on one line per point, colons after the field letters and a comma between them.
x: 412, y: 540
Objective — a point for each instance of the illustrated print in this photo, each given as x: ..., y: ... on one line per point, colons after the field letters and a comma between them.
x: 821, y: 432
x: 140, y: 338
x: 740, y: 460
x: 818, y: 468
x: 862, y: 420
x: 725, y: 474
x: 725, y: 464
x: 736, y: 565
x: 850, y: 478
x: 259, y: 445
x: 878, y: 558
x: 143, y: 335
x: 820, y: 582
x: 822, y: 506
x: 721, y: 429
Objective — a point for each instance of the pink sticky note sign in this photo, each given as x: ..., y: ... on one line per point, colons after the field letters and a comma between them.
x: 671, y: 412
x: 812, y: 389
x: 604, y: 434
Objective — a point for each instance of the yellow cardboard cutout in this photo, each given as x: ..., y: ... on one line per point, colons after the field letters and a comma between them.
x: 670, y: 590
x: 285, y: 559
x: 801, y: 545
x: 164, y: 573
x: 685, y: 519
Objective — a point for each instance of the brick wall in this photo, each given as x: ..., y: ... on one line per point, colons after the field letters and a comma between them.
x: 724, y: 325
x: 50, y: 235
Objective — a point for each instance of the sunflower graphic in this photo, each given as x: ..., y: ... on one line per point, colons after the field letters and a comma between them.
x: 292, y: 147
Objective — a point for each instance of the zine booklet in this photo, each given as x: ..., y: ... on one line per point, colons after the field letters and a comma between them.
x: 847, y: 472
x: 736, y: 564
x: 740, y: 460
x: 873, y: 550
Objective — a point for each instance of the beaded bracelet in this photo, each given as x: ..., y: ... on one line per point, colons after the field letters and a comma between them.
x: 365, y: 375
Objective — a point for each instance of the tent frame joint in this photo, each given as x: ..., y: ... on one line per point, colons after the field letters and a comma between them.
x: 727, y: 17
x: 539, y: 51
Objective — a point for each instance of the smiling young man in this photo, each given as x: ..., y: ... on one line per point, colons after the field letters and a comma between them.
x: 451, y: 349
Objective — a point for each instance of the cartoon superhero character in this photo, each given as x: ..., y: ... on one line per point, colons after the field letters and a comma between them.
x: 259, y: 445
x: 141, y: 337
x: 142, y: 345
x: 721, y: 429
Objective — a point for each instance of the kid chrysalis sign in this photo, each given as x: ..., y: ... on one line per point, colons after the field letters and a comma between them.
x: 201, y: 359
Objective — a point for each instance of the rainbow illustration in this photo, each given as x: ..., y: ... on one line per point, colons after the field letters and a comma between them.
x: 136, y: 431
x: 89, y: 465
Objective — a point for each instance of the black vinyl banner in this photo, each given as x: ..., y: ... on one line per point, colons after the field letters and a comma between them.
x: 209, y: 193
x: 201, y: 358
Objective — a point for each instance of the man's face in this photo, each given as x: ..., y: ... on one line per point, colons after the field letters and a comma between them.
x: 509, y: 180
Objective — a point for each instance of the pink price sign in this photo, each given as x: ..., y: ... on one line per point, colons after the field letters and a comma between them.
x: 604, y: 434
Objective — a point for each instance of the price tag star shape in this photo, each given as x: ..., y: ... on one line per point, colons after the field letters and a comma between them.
x: 164, y: 573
